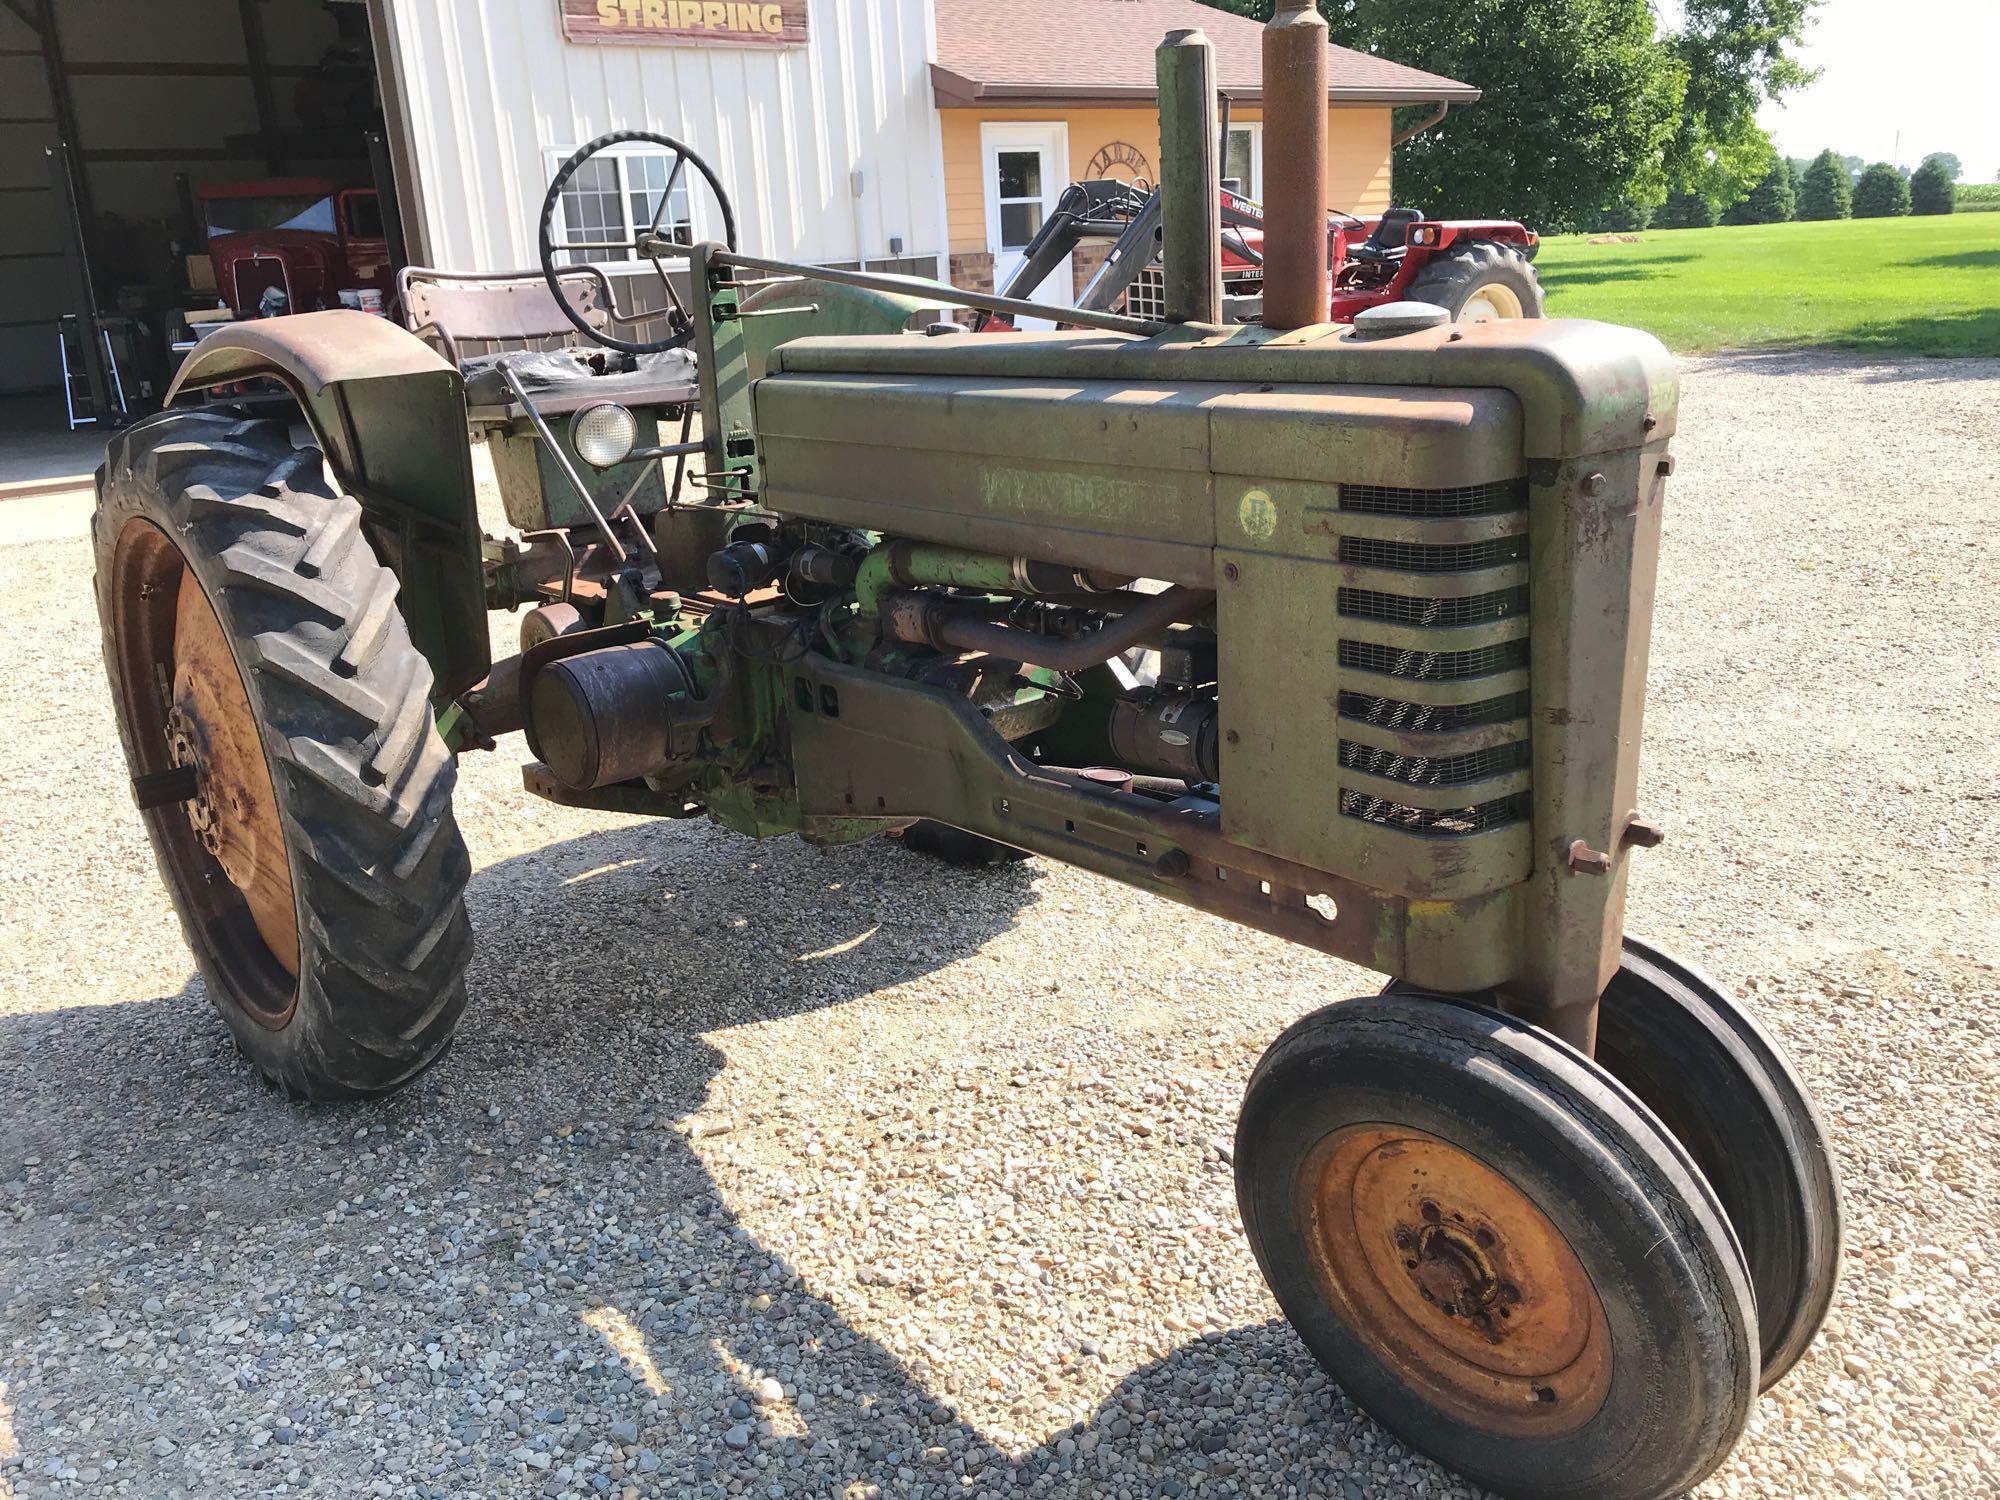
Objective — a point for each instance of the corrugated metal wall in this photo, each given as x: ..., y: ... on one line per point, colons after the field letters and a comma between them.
x: 491, y: 86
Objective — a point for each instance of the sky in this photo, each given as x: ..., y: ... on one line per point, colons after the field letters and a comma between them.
x: 1918, y: 71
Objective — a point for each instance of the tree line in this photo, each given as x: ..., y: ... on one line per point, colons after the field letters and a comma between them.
x: 1829, y: 186
x: 1594, y: 115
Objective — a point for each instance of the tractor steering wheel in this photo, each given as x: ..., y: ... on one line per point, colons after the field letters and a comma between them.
x: 650, y: 242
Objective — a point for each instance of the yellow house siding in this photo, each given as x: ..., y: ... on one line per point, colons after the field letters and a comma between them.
x: 1358, y: 156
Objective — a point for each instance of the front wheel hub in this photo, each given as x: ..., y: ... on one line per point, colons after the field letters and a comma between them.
x: 1461, y: 1283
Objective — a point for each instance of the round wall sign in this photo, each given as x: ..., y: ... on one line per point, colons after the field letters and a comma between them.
x: 1120, y: 159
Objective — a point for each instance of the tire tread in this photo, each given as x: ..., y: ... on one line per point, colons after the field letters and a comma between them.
x: 343, y: 700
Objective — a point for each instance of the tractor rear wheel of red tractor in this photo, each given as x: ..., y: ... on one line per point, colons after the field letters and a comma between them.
x: 1481, y: 282
x: 277, y: 724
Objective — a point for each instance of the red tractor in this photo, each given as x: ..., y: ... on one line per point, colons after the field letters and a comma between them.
x: 1478, y: 270
x: 293, y: 244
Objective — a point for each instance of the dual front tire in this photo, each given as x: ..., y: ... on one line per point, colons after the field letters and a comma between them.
x: 1501, y: 1251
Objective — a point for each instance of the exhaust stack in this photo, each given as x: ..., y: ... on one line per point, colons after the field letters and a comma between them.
x: 1295, y: 88
x: 1190, y: 179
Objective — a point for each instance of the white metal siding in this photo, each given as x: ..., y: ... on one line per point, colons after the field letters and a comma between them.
x: 491, y: 86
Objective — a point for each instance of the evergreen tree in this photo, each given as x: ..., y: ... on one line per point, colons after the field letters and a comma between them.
x: 1685, y: 211
x: 1824, y: 192
x: 1931, y: 191
x: 1622, y: 216
x: 1772, y: 201
x: 1881, y: 193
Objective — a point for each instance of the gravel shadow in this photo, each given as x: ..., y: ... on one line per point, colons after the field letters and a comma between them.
x: 536, y: 1215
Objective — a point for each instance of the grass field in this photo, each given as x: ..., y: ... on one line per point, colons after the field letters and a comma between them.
x: 1916, y: 286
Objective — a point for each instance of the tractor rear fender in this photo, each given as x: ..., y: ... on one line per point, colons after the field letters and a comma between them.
x: 389, y: 414
x: 1457, y: 231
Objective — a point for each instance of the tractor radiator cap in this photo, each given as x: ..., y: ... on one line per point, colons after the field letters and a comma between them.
x: 1392, y: 318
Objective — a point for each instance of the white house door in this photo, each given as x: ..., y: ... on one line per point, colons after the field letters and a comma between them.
x: 1027, y: 168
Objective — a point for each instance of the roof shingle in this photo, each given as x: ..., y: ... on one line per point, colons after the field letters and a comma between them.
x: 1018, y: 51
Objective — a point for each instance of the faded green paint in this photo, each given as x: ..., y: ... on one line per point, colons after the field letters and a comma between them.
x: 1223, y: 461
x: 919, y: 439
x: 1036, y: 493
x: 779, y: 313
x: 537, y: 494
x: 911, y: 564
x: 722, y: 346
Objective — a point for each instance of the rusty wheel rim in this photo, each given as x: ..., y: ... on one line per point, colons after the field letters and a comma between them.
x: 185, y: 705
x: 1455, y: 1279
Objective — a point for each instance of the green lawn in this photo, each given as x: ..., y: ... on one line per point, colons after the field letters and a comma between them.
x: 1916, y: 286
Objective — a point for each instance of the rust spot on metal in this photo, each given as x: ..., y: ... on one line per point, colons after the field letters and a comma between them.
x: 1457, y: 1278
x: 234, y: 811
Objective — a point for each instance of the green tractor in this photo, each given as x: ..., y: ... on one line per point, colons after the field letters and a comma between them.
x: 1337, y: 631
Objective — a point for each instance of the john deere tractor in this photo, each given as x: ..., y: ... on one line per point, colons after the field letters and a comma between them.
x: 1335, y: 630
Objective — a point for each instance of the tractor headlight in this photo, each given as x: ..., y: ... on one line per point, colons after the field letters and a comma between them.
x: 604, y: 435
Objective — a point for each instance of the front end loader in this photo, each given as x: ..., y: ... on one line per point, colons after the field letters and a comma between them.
x: 1338, y: 631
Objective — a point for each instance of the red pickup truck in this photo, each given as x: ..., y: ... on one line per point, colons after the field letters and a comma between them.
x: 293, y: 244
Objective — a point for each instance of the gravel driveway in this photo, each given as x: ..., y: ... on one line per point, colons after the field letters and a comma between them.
x: 915, y: 1182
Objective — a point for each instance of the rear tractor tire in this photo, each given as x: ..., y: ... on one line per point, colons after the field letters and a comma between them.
x: 1481, y: 282
x: 277, y: 726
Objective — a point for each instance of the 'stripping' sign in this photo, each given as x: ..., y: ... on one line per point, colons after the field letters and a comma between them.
x: 746, y: 23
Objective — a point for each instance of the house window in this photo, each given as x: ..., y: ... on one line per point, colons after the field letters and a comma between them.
x: 1020, y: 196
x: 616, y: 196
x: 1245, y: 160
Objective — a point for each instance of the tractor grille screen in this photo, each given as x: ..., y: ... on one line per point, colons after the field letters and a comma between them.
x: 1444, y: 770
x: 1434, y: 666
x: 1418, y: 557
x: 1447, y: 630
x: 1450, y: 822
x: 1399, y: 609
x: 1432, y: 718
x: 1463, y: 500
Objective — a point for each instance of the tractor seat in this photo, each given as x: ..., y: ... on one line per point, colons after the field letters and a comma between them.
x: 1389, y: 238
x: 451, y: 309
x: 569, y: 379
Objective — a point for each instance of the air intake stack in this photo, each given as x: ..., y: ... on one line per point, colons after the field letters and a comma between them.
x: 1295, y: 90
x: 1190, y: 179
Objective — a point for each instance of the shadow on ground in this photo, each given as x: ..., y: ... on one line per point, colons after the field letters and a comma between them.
x: 1623, y: 268
x: 1949, y: 339
x: 1963, y: 260
x: 598, y: 979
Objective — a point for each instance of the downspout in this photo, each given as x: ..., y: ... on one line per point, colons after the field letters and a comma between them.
x: 1421, y: 126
